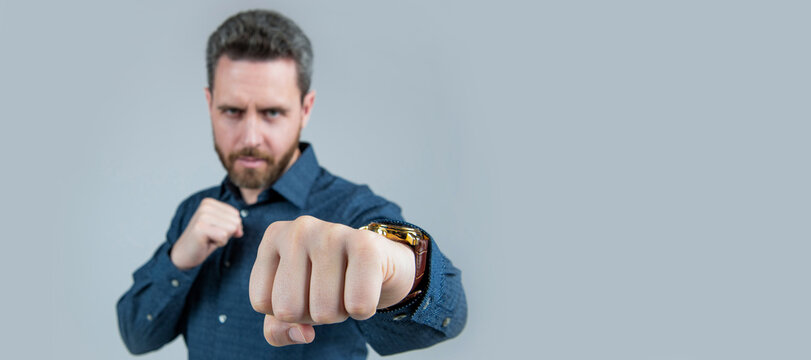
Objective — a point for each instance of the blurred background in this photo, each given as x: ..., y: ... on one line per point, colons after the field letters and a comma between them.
x: 616, y: 180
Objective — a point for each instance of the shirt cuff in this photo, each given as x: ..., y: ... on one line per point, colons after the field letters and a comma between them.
x: 166, y: 280
x: 435, y: 307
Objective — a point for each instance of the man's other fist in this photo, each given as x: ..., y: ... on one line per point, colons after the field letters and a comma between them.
x: 212, y: 225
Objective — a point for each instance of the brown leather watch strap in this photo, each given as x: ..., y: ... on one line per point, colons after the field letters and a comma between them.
x: 420, y: 258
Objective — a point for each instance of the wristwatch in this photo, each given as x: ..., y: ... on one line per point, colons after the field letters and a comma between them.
x: 416, y: 239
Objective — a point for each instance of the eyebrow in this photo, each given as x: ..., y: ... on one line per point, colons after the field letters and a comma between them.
x: 277, y: 108
x: 226, y: 107
x: 268, y: 108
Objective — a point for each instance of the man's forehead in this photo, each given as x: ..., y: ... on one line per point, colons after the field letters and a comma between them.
x: 245, y: 81
x: 240, y: 99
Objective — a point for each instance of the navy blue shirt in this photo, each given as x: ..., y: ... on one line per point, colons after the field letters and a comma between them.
x: 209, y: 304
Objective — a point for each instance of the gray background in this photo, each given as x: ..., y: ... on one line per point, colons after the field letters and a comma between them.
x: 617, y: 180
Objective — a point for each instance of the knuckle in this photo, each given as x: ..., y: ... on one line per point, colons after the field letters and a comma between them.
x: 270, y: 231
x: 206, y: 203
x: 269, y: 331
x: 321, y: 317
x: 286, y: 313
x: 261, y: 303
x: 304, y: 222
x: 305, y: 219
x: 360, y: 310
x: 324, y: 314
x: 271, y: 228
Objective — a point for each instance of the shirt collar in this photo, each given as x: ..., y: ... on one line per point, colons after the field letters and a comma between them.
x: 294, y: 185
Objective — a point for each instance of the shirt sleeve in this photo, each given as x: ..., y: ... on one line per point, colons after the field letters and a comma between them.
x: 149, y: 313
x: 437, y: 315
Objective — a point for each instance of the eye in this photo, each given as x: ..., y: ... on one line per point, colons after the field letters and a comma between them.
x: 272, y: 113
x: 232, y: 112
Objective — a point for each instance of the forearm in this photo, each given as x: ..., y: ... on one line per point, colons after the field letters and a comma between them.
x: 149, y: 313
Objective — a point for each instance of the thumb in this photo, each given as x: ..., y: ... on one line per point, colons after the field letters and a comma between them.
x: 280, y: 333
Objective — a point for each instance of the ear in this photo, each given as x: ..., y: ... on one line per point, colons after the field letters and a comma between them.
x: 208, y: 97
x: 307, y: 107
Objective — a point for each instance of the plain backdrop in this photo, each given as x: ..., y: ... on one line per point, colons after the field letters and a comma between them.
x: 616, y: 179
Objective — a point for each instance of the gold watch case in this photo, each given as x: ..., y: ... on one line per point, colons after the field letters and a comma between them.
x: 404, y: 234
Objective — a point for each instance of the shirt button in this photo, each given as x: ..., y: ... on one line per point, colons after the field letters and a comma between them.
x: 446, y: 322
x: 243, y: 213
x: 175, y: 283
x: 148, y: 317
x: 223, y: 318
x: 227, y: 263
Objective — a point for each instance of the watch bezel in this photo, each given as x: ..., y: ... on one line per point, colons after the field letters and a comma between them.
x: 409, y: 235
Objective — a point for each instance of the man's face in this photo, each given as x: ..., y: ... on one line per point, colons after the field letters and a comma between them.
x: 257, y: 115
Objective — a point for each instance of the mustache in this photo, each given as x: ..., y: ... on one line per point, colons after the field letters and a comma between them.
x: 250, y: 152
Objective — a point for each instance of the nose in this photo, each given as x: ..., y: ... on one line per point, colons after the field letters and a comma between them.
x: 250, y: 131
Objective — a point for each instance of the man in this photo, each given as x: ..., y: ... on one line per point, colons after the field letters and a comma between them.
x: 275, y: 262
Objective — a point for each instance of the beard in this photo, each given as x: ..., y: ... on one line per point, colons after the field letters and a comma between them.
x: 250, y: 178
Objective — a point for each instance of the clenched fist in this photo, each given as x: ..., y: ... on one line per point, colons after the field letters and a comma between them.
x: 309, y: 272
x: 212, y: 225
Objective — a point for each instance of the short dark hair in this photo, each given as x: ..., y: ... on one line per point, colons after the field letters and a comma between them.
x: 261, y: 35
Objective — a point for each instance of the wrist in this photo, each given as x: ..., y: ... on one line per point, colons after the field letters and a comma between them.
x: 177, y: 260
